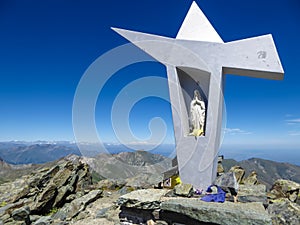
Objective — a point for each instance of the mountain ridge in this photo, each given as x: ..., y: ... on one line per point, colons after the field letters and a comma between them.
x: 267, y: 170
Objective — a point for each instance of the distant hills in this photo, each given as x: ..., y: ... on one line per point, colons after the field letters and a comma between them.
x: 26, y: 153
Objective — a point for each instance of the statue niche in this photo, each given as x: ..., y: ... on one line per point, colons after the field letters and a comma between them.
x: 197, y: 115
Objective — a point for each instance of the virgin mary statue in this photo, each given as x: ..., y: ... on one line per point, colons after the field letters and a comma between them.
x: 197, y: 115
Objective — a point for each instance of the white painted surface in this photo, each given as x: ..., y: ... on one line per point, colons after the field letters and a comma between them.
x: 197, y: 27
x: 255, y: 57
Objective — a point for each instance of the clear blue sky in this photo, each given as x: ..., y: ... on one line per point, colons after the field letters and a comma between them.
x: 46, y: 46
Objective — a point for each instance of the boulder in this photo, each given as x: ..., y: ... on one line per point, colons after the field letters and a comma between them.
x: 144, y: 180
x: 227, y: 180
x: 184, y: 190
x: 284, y: 211
x: 220, y: 168
x: 251, y: 179
x: 218, y: 213
x: 239, y: 173
x: 45, y: 200
x: 15, y: 223
x: 7, y: 209
x: 125, y: 190
x: 78, y: 205
x: 252, y: 193
x: 102, y: 212
x: 61, y: 178
x: 50, y: 188
x: 44, y: 220
x: 142, y: 199
x: 84, y: 176
x: 111, y: 184
x: 45, y: 178
x: 34, y: 218
x: 21, y: 214
x: 285, y: 189
x: 62, y: 194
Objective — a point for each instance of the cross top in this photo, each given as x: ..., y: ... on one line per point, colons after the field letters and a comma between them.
x: 198, y: 59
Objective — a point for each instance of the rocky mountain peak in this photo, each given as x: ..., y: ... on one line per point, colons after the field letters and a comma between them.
x: 139, y: 158
x: 4, y: 165
x: 63, y: 192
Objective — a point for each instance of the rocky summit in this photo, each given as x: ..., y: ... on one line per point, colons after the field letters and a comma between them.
x: 66, y: 192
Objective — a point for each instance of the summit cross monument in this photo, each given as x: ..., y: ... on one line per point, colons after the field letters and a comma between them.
x: 197, y: 61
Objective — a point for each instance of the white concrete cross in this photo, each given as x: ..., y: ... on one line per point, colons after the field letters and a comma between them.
x: 199, y: 59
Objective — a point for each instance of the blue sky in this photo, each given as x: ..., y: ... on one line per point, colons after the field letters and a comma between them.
x: 46, y: 46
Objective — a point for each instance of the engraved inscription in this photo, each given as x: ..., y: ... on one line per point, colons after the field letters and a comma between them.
x: 262, y: 54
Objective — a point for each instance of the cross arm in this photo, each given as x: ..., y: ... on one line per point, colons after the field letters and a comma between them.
x: 254, y: 57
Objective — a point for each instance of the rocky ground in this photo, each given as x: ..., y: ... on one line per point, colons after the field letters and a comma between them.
x: 65, y: 194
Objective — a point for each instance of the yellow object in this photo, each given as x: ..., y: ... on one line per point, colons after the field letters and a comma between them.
x: 198, y: 132
x: 172, y: 181
x: 177, y: 180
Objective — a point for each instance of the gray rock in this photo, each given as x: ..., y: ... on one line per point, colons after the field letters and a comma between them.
x: 184, y: 190
x: 72, y: 197
x: 62, y: 194
x: 252, y: 193
x: 21, y: 214
x: 72, y: 209
x: 219, y: 213
x: 220, y: 169
x: 50, y: 188
x: 34, y: 218
x: 84, y: 177
x: 251, y: 179
x: 61, y: 215
x: 15, y: 223
x: 61, y: 177
x: 74, y: 179
x: 6, y: 218
x: 284, y: 211
x: 102, y: 212
x: 239, y: 173
x: 227, y: 180
x: 286, y: 189
x: 44, y: 200
x: 125, y: 190
x: 144, y: 180
x: 111, y: 184
x: 82, y: 215
x: 44, y: 220
x: 10, y: 207
x: 142, y: 199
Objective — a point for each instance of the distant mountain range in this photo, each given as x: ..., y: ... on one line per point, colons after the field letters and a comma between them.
x: 267, y: 171
x: 21, y: 152
x: 9, y: 172
x: 35, y: 152
x: 128, y: 164
x: 17, y: 158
